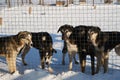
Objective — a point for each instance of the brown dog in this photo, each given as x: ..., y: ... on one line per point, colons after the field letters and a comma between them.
x: 10, y: 46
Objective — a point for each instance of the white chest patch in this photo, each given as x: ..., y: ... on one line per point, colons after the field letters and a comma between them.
x: 68, y: 34
x: 72, y: 48
x: 44, y: 38
x: 47, y: 54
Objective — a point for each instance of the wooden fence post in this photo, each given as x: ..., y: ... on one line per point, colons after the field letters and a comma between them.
x: 0, y: 21
x: 30, y: 10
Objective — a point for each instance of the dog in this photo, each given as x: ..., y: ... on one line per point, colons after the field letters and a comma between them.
x: 10, y: 46
x: 43, y: 42
x: 66, y: 30
x: 80, y: 38
x: 103, y: 43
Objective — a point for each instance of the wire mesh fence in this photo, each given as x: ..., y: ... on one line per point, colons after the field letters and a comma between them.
x: 48, y: 16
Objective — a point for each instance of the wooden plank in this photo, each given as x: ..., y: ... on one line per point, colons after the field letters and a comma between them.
x: 0, y: 20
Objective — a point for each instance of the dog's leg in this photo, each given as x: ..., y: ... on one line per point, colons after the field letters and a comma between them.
x: 99, y: 57
x: 11, y: 61
x: 70, y: 61
x: 106, y: 58
x: 92, y: 64
x: 75, y: 59
x: 83, y: 61
x: 49, y: 68
x: 63, y: 59
x: 64, y: 51
x: 25, y: 51
x: 42, y: 62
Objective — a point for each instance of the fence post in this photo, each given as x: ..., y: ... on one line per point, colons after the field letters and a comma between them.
x: 0, y: 21
x: 30, y: 10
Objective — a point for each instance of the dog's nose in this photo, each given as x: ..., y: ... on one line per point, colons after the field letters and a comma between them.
x: 32, y: 44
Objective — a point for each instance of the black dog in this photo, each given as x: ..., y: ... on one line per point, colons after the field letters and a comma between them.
x: 104, y: 42
x: 43, y: 42
x: 80, y: 37
x: 66, y: 30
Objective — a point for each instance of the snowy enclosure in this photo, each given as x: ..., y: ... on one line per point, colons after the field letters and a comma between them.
x: 50, y: 18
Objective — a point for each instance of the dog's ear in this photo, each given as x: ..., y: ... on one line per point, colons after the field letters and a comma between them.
x: 59, y: 29
x: 71, y: 27
x: 98, y: 28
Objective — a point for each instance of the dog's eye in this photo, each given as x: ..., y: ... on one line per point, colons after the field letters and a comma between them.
x: 92, y: 32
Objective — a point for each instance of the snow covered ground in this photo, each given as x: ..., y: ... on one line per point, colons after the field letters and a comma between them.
x: 49, y: 18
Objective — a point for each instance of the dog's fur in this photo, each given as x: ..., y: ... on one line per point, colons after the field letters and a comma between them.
x: 10, y: 46
x: 66, y: 30
x: 104, y: 42
x: 43, y: 42
x: 117, y: 50
x: 80, y: 38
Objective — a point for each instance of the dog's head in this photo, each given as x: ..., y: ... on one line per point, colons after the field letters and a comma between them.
x: 65, y: 30
x: 93, y: 33
x: 78, y: 33
x: 25, y: 38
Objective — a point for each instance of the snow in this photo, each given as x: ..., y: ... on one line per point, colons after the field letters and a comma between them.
x: 49, y: 18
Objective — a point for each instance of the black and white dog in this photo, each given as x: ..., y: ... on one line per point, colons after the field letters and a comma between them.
x: 66, y: 31
x: 103, y: 43
x: 43, y: 42
x: 80, y: 38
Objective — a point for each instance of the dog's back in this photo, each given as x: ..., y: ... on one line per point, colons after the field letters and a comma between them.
x: 112, y: 39
x: 6, y: 44
x: 41, y: 40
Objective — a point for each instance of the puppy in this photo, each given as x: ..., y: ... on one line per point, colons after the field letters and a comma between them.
x: 43, y: 42
x: 66, y: 30
x: 103, y: 43
x: 10, y: 46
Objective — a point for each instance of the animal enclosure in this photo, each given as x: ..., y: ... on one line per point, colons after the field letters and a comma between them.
x: 48, y: 16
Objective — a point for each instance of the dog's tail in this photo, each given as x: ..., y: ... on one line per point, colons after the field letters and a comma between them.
x: 117, y: 50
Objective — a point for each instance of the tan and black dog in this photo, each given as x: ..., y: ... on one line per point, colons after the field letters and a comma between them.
x: 10, y: 46
x: 104, y: 42
x: 66, y: 31
x: 79, y: 37
x: 43, y: 42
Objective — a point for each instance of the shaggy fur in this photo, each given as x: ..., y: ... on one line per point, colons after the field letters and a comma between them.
x: 10, y: 46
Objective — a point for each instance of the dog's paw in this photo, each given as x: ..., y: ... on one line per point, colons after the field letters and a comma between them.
x: 15, y: 73
x: 50, y: 70
x: 25, y: 64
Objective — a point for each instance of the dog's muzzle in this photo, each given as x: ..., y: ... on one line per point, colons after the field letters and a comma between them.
x: 30, y: 44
